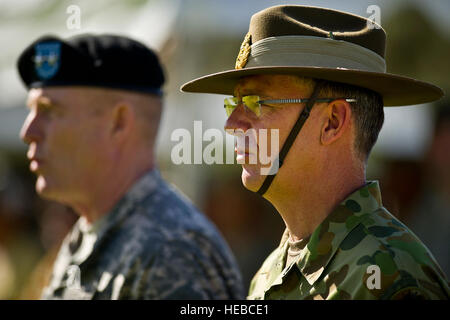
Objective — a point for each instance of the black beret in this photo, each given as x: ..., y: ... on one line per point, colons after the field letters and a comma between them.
x: 91, y: 60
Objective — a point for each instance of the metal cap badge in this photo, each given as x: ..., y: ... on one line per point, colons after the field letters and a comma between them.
x: 244, y: 52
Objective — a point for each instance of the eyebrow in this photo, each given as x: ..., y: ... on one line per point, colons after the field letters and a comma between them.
x: 249, y: 90
x: 41, y: 101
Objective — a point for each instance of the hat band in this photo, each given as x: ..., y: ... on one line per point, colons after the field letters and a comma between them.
x: 308, y: 51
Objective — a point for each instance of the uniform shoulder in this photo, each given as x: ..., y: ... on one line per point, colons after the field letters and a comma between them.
x: 166, y: 212
x: 165, y: 221
x: 381, y: 247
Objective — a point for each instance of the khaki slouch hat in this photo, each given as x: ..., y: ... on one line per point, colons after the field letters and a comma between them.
x: 318, y: 43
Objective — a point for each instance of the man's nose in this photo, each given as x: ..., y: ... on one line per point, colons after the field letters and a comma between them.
x: 239, y: 119
x: 31, y: 130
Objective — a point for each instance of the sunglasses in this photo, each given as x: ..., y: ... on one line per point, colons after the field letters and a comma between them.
x: 253, y: 103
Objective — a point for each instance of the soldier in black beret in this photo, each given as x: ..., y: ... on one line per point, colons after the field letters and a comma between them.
x: 94, y: 109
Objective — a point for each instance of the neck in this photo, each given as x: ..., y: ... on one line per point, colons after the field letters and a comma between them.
x: 102, y: 198
x: 305, y: 203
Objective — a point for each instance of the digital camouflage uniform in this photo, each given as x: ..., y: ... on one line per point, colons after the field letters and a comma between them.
x: 153, y: 245
x: 334, y: 262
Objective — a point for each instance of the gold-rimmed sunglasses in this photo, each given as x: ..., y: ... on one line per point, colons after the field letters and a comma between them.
x: 253, y: 103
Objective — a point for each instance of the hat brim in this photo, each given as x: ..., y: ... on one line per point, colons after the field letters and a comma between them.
x: 396, y: 90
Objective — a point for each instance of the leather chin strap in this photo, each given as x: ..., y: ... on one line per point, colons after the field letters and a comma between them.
x: 292, y: 136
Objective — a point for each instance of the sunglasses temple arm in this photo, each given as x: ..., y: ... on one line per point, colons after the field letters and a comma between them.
x: 301, y: 100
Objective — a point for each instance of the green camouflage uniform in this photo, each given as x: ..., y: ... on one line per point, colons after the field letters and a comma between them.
x: 334, y: 262
x: 154, y: 244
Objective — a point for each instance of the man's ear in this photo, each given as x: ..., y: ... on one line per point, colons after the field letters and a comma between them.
x: 122, y: 120
x: 338, y: 115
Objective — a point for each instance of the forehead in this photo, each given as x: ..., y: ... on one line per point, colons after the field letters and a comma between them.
x: 269, y: 84
x: 49, y: 96
x: 64, y: 96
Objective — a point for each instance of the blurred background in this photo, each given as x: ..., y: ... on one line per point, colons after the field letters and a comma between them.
x: 197, y: 37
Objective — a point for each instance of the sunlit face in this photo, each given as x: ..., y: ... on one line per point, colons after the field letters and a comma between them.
x: 278, y: 117
x: 68, y: 142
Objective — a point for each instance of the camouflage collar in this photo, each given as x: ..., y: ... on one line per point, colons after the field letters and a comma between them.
x: 93, y: 234
x: 142, y: 187
x: 330, y: 234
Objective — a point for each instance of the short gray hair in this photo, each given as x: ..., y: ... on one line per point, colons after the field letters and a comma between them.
x: 368, y: 113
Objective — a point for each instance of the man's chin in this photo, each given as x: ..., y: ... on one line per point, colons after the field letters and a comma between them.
x: 43, y: 189
x: 251, y: 178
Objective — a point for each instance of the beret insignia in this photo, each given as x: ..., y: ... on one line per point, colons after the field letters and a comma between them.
x: 47, y: 59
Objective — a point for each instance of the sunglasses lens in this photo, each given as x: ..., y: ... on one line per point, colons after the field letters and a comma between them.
x: 252, y: 103
x: 230, y: 104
